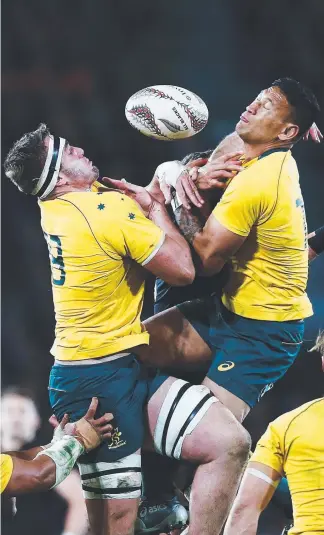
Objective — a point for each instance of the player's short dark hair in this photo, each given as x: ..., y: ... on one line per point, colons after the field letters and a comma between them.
x: 304, y: 105
x: 25, y: 160
x: 196, y: 155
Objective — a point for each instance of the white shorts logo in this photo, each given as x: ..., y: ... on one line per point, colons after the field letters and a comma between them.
x: 264, y: 390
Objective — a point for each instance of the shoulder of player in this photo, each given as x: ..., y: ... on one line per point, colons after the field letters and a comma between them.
x: 272, y: 166
x: 262, y: 176
x: 106, y: 202
x: 289, y: 419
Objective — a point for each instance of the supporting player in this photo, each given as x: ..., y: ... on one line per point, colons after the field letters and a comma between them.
x: 43, y: 468
x: 99, y: 244
x: 260, y: 224
x: 259, y: 331
x: 160, y: 505
x: 292, y: 445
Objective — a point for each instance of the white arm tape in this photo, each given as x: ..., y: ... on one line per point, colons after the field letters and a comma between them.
x: 170, y: 172
x: 64, y: 453
x: 261, y: 475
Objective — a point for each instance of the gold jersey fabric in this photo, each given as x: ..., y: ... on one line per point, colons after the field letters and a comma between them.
x: 6, y: 470
x: 98, y: 243
x: 269, y: 272
x: 294, y: 445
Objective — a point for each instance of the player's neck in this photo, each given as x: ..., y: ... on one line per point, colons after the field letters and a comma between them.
x: 58, y: 192
x: 253, y: 151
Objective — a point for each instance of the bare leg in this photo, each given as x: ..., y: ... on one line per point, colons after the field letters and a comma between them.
x: 220, y: 445
x: 237, y: 406
x: 112, y: 517
x: 174, y: 342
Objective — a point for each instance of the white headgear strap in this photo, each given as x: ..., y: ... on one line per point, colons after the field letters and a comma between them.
x: 48, y: 179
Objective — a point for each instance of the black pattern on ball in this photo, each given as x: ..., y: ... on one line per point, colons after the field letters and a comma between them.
x: 145, y: 117
x: 148, y: 91
x: 197, y: 120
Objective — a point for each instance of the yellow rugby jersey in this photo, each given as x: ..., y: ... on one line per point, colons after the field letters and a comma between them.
x: 6, y: 466
x: 96, y: 242
x: 269, y: 272
x: 294, y: 445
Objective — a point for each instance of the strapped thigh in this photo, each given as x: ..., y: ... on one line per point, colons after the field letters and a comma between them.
x: 183, y: 408
x: 117, y: 480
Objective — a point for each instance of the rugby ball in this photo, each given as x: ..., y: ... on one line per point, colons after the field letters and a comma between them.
x: 166, y: 112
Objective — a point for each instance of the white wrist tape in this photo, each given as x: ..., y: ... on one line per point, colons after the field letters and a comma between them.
x: 64, y: 453
x: 261, y: 475
x: 170, y: 172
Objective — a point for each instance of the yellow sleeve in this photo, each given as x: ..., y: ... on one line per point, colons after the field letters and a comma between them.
x: 270, y: 449
x: 133, y: 234
x: 244, y: 203
x: 6, y: 470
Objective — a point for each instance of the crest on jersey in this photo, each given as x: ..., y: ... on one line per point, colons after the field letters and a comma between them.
x: 116, y: 441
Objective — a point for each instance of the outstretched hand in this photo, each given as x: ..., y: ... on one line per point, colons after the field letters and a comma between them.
x: 90, y: 431
x: 138, y: 193
x: 203, y: 176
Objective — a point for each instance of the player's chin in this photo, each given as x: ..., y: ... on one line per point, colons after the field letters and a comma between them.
x: 242, y: 129
x: 239, y: 128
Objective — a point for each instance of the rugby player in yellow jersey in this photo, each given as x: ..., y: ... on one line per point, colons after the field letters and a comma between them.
x: 100, y: 245
x: 292, y: 446
x: 259, y: 226
x: 45, y: 467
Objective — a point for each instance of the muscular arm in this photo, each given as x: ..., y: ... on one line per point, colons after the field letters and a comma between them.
x: 230, y: 143
x: 173, y: 262
x: 256, y: 490
x: 31, y: 476
x: 213, y: 243
x: 27, y: 455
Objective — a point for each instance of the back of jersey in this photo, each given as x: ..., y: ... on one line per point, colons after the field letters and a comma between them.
x: 96, y: 241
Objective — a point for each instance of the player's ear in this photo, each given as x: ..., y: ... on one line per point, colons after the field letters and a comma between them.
x: 289, y: 132
x: 63, y: 179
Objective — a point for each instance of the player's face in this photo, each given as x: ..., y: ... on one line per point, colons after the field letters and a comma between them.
x: 19, y: 419
x: 76, y: 166
x: 265, y: 118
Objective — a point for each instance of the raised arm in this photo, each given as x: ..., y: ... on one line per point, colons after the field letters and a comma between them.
x: 151, y: 238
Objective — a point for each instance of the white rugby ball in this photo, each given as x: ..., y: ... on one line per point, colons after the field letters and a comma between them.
x: 166, y: 112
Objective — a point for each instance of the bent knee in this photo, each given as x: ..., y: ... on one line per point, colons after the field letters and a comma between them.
x: 231, y: 441
x: 238, y: 443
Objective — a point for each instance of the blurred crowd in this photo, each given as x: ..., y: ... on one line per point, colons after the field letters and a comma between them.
x: 73, y: 65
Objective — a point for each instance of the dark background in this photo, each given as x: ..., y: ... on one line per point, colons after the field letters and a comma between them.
x: 73, y: 64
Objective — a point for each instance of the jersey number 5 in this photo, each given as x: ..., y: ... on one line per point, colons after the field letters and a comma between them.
x: 57, y: 262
